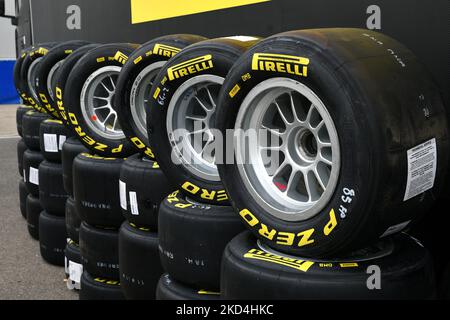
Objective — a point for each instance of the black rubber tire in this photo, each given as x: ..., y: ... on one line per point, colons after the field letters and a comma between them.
x: 192, y: 238
x: 169, y: 289
x: 100, y: 251
x: 32, y: 160
x: 71, y: 253
x: 151, y: 52
x: 144, y: 187
x: 61, y: 76
x: 52, y: 135
x: 23, y: 194
x: 373, y: 88
x: 20, y: 82
x: 56, y: 54
x: 16, y: 74
x: 51, y: 191
x: 71, y: 148
x: 444, y: 283
x: 94, y: 288
x: 140, y: 267
x: 21, y: 110
x: 73, y: 221
x: 223, y: 52
x: 34, y: 210
x: 404, y: 265
x: 102, y: 56
x: 52, y: 238
x: 96, y: 190
x: 31, y: 124
x: 21, y: 147
x: 34, y: 53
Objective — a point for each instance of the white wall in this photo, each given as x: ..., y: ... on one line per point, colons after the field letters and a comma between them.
x: 7, y: 34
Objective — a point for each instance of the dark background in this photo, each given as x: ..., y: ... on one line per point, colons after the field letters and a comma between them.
x: 423, y: 26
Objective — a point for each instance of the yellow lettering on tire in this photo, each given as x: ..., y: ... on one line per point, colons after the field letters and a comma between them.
x: 305, y: 237
x: 249, y: 217
x: 331, y: 224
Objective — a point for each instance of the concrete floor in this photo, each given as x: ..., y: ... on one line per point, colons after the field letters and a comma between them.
x: 23, y: 273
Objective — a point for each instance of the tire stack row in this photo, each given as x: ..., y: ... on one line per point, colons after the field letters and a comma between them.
x: 344, y: 164
x: 355, y: 165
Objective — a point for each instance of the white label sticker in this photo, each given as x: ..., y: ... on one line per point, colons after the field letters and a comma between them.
x: 123, y: 194
x: 133, y: 203
x: 422, y: 163
x: 34, y: 176
x: 75, y: 271
x: 24, y: 176
x: 62, y: 139
x: 50, y: 142
x: 394, y: 229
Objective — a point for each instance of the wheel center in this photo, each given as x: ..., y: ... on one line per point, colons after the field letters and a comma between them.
x: 307, y: 144
x: 303, y: 146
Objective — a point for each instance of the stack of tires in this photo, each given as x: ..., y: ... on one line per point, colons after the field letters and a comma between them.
x: 195, y: 222
x: 87, y: 107
x: 142, y: 184
x: 339, y: 144
x: 31, y: 159
x: 52, y: 196
x: 21, y: 148
x: 361, y: 153
x: 28, y: 119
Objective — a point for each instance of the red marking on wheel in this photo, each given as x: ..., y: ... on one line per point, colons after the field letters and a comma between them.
x: 94, y: 117
x: 281, y: 186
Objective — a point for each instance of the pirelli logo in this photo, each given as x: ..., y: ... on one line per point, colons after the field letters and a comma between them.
x: 120, y: 57
x: 42, y: 51
x: 297, y: 264
x: 190, y: 67
x: 272, y: 62
x: 165, y: 50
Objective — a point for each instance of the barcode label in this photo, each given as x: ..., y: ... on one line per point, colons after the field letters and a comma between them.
x: 50, y: 142
x: 133, y: 203
x: 123, y: 194
x: 34, y: 176
x: 62, y: 139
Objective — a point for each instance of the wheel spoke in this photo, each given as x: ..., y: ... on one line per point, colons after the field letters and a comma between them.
x: 101, y: 98
x: 201, y: 104
x: 319, y: 179
x: 309, y: 115
x: 294, y: 112
x: 106, y: 106
x: 272, y: 131
x: 292, y: 179
x: 319, y: 126
x: 326, y: 161
x: 115, y: 122
x: 281, y: 113
x: 308, y: 185
x: 105, y: 87
x: 105, y: 120
x: 197, y: 131
x: 279, y: 169
x: 193, y: 118
x: 113, y: 83
x: 213, y: 103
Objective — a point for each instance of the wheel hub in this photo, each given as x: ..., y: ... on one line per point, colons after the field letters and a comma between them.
x: 293, y: 173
